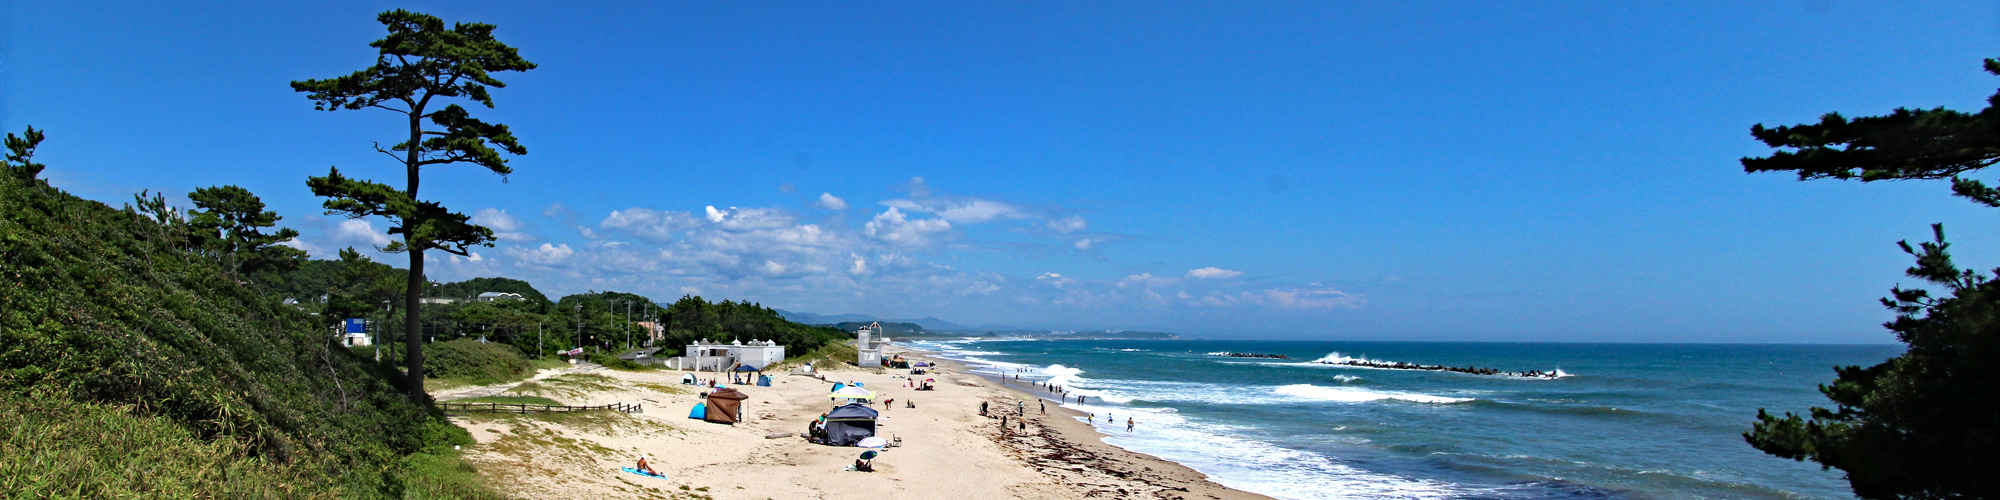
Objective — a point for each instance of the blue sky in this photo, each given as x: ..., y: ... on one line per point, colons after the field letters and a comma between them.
x: 1549, y: 171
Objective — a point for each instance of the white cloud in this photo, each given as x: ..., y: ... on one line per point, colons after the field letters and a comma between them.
x: 547, y: 255
x: 1326, y: 298
x: 830, y: 202
x: 1213, y: 273
x: 358, y: 232
x: 962, y: 210
x: 302, y: 245
x: 1084, y: 244
x: 1055, y: 279
x: 1069, y: 224
x: 505, y: 227
x: 654, y: 225
x: 893, y: 227
x: 918, y: 188
x: 748, y: 219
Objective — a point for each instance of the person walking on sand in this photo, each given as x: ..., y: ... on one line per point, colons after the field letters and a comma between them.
x: 1045, y: 407
x: 1128, y: 424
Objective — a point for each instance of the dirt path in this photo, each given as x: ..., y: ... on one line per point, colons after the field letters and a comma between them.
x: 481, y: 391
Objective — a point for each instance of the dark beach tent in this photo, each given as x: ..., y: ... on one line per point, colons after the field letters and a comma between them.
x: 746, y: 368
x: 764, y: 381
x: 725, y: 406
x: 848, y: 424
x: 688, y: 378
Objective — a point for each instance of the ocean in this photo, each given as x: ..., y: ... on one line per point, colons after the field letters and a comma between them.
x: 1626, y: 421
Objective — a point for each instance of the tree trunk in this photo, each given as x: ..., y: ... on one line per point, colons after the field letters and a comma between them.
x: 413, y: 338
x: 413, y: 342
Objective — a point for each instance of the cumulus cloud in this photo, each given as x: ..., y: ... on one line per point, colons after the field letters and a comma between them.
x: 547, y: 255
x: 358, y: 232
x: 505, y: 227
x: 830, y: 202
x: 1069, y: 224
x: 962, y: 210
x: 1213, y: 273
x: 748, y: 219
x: 1084, y: 244
x: 893, y: 227
x: 649, y: 224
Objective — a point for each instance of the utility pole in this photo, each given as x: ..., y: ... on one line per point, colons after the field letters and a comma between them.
x: 628, y: 325
x: 538, y: 340
x: 579, y: 322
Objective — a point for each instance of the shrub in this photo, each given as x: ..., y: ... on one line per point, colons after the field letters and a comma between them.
x: 475, y: 362
x: 108, y: 317
x: 612, y: 361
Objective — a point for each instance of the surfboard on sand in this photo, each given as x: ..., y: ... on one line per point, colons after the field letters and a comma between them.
x: 643, y: 473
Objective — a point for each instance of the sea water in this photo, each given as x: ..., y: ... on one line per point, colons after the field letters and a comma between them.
x: 1638, y: 421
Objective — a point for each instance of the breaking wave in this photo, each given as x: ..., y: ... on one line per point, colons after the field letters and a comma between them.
x: 1352, y: 395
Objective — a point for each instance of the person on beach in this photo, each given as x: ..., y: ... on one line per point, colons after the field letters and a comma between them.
x: 866, y: 462
x: 1020, y: 407
x: 1128, y: 424
x: 982, y: 408
x: 645, y: 466
x: 1045, y: 407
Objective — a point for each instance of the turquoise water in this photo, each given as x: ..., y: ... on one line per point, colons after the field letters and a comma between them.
x: 1637, y: 421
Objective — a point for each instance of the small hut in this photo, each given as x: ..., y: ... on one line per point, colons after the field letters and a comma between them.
x: 725, y: 406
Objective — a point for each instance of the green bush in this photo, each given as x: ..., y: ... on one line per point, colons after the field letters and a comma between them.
x: 60, y: 448
x: 612, y: 361
x: 474, y: 362
x: 107, y: 314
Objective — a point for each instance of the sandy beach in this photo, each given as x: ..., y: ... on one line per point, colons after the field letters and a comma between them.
x: 946, y: 449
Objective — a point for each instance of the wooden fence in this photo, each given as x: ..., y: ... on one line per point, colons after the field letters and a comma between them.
x: 534, y: 408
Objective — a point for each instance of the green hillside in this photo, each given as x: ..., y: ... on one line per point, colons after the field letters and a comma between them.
x: 131, y: 366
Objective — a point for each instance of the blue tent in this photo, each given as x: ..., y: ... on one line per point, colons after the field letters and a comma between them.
x: 746, y: 368
x: 764, y: 381
x: 700, y: 411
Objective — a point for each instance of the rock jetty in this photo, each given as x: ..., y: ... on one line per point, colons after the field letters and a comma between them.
x: 1253, y: 355
x: 1470, y: 370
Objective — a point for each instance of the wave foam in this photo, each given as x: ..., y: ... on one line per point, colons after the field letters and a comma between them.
x: 1352, y: 395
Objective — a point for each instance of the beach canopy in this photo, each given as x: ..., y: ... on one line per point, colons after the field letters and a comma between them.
x: 853, y: 392
x: 725, y: 406
x: 850, y: 424
x: 746, y: 368
x: 920, y: 363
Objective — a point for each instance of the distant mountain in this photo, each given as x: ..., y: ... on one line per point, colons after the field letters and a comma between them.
x: 933, y: 324
x: 928, y: 322
x: 824, y: 319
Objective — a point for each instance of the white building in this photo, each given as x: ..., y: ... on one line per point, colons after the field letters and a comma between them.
x: 492, y: 296
x: 714, y: 356
x: 355, y: 340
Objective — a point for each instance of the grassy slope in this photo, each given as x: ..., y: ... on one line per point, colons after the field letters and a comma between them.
x: 104, y: 319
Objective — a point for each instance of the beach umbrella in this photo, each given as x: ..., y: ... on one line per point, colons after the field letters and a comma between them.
x: 868, y: 455
x: 852, y: 392
x: 920, y: 363
x: 746, y: 368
